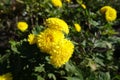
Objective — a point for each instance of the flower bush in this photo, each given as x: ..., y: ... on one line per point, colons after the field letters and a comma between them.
x: 59, y: 40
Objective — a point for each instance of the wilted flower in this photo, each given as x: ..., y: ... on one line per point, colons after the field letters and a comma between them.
x: 31, y: 39
x: 57, y: 3
x: 7, y: 76
x: 48, y: 38
x: 77, y: 27
x: 58, y: 24
x: 110, y: 13
x: 22, y: 26
x: 61, y: 52
x: 92, y: 65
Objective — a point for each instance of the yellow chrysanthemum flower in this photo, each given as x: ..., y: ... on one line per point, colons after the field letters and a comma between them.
x: 7, y: 76
x: 48, y: 38
x: 58, y: 24
x: 77, y: 27
x: 111, y: 14
x: 31, y: 39
x: 83, y: 6
x: 22, y: 26
x: 57, y: 3
x: 61, y: 52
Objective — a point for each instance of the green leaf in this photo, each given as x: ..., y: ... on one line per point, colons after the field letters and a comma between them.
x: 40, y: 68
x: 99, y: 61
x: 73, y: 70
x: 40, y: 78
x: 79, y: 1
x: 110, y: 32
x: 72, y: 78
x: 109, y: 54
x: 102, y: 44
x: 4, y: 57
x: 117, y: 77
x: 52, y: 76
x: 104, y: 76
x: 37, y: 29
x: 14, y: 46
x: 94, y: 23
x: 20, y: 1
x: 99, y: 76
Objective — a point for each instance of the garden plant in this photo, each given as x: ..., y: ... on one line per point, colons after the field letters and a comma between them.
x: 59, y: 40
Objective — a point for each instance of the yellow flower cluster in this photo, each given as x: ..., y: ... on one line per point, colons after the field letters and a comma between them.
x: 52, y: 41
x: 49, y: 38
x: 61, y: 53
x: 56, y: 23
x: 7, y: 76
x: 22, y: 26
x: 110, y: 13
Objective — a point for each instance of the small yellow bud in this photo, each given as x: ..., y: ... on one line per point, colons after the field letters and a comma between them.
x: 57, y: 3
x: 77, y: 27
x: 31, y: 39
x: 83, y: 6
x: 22, y: 26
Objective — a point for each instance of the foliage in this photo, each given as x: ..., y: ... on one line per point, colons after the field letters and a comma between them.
x: 97, y: 43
